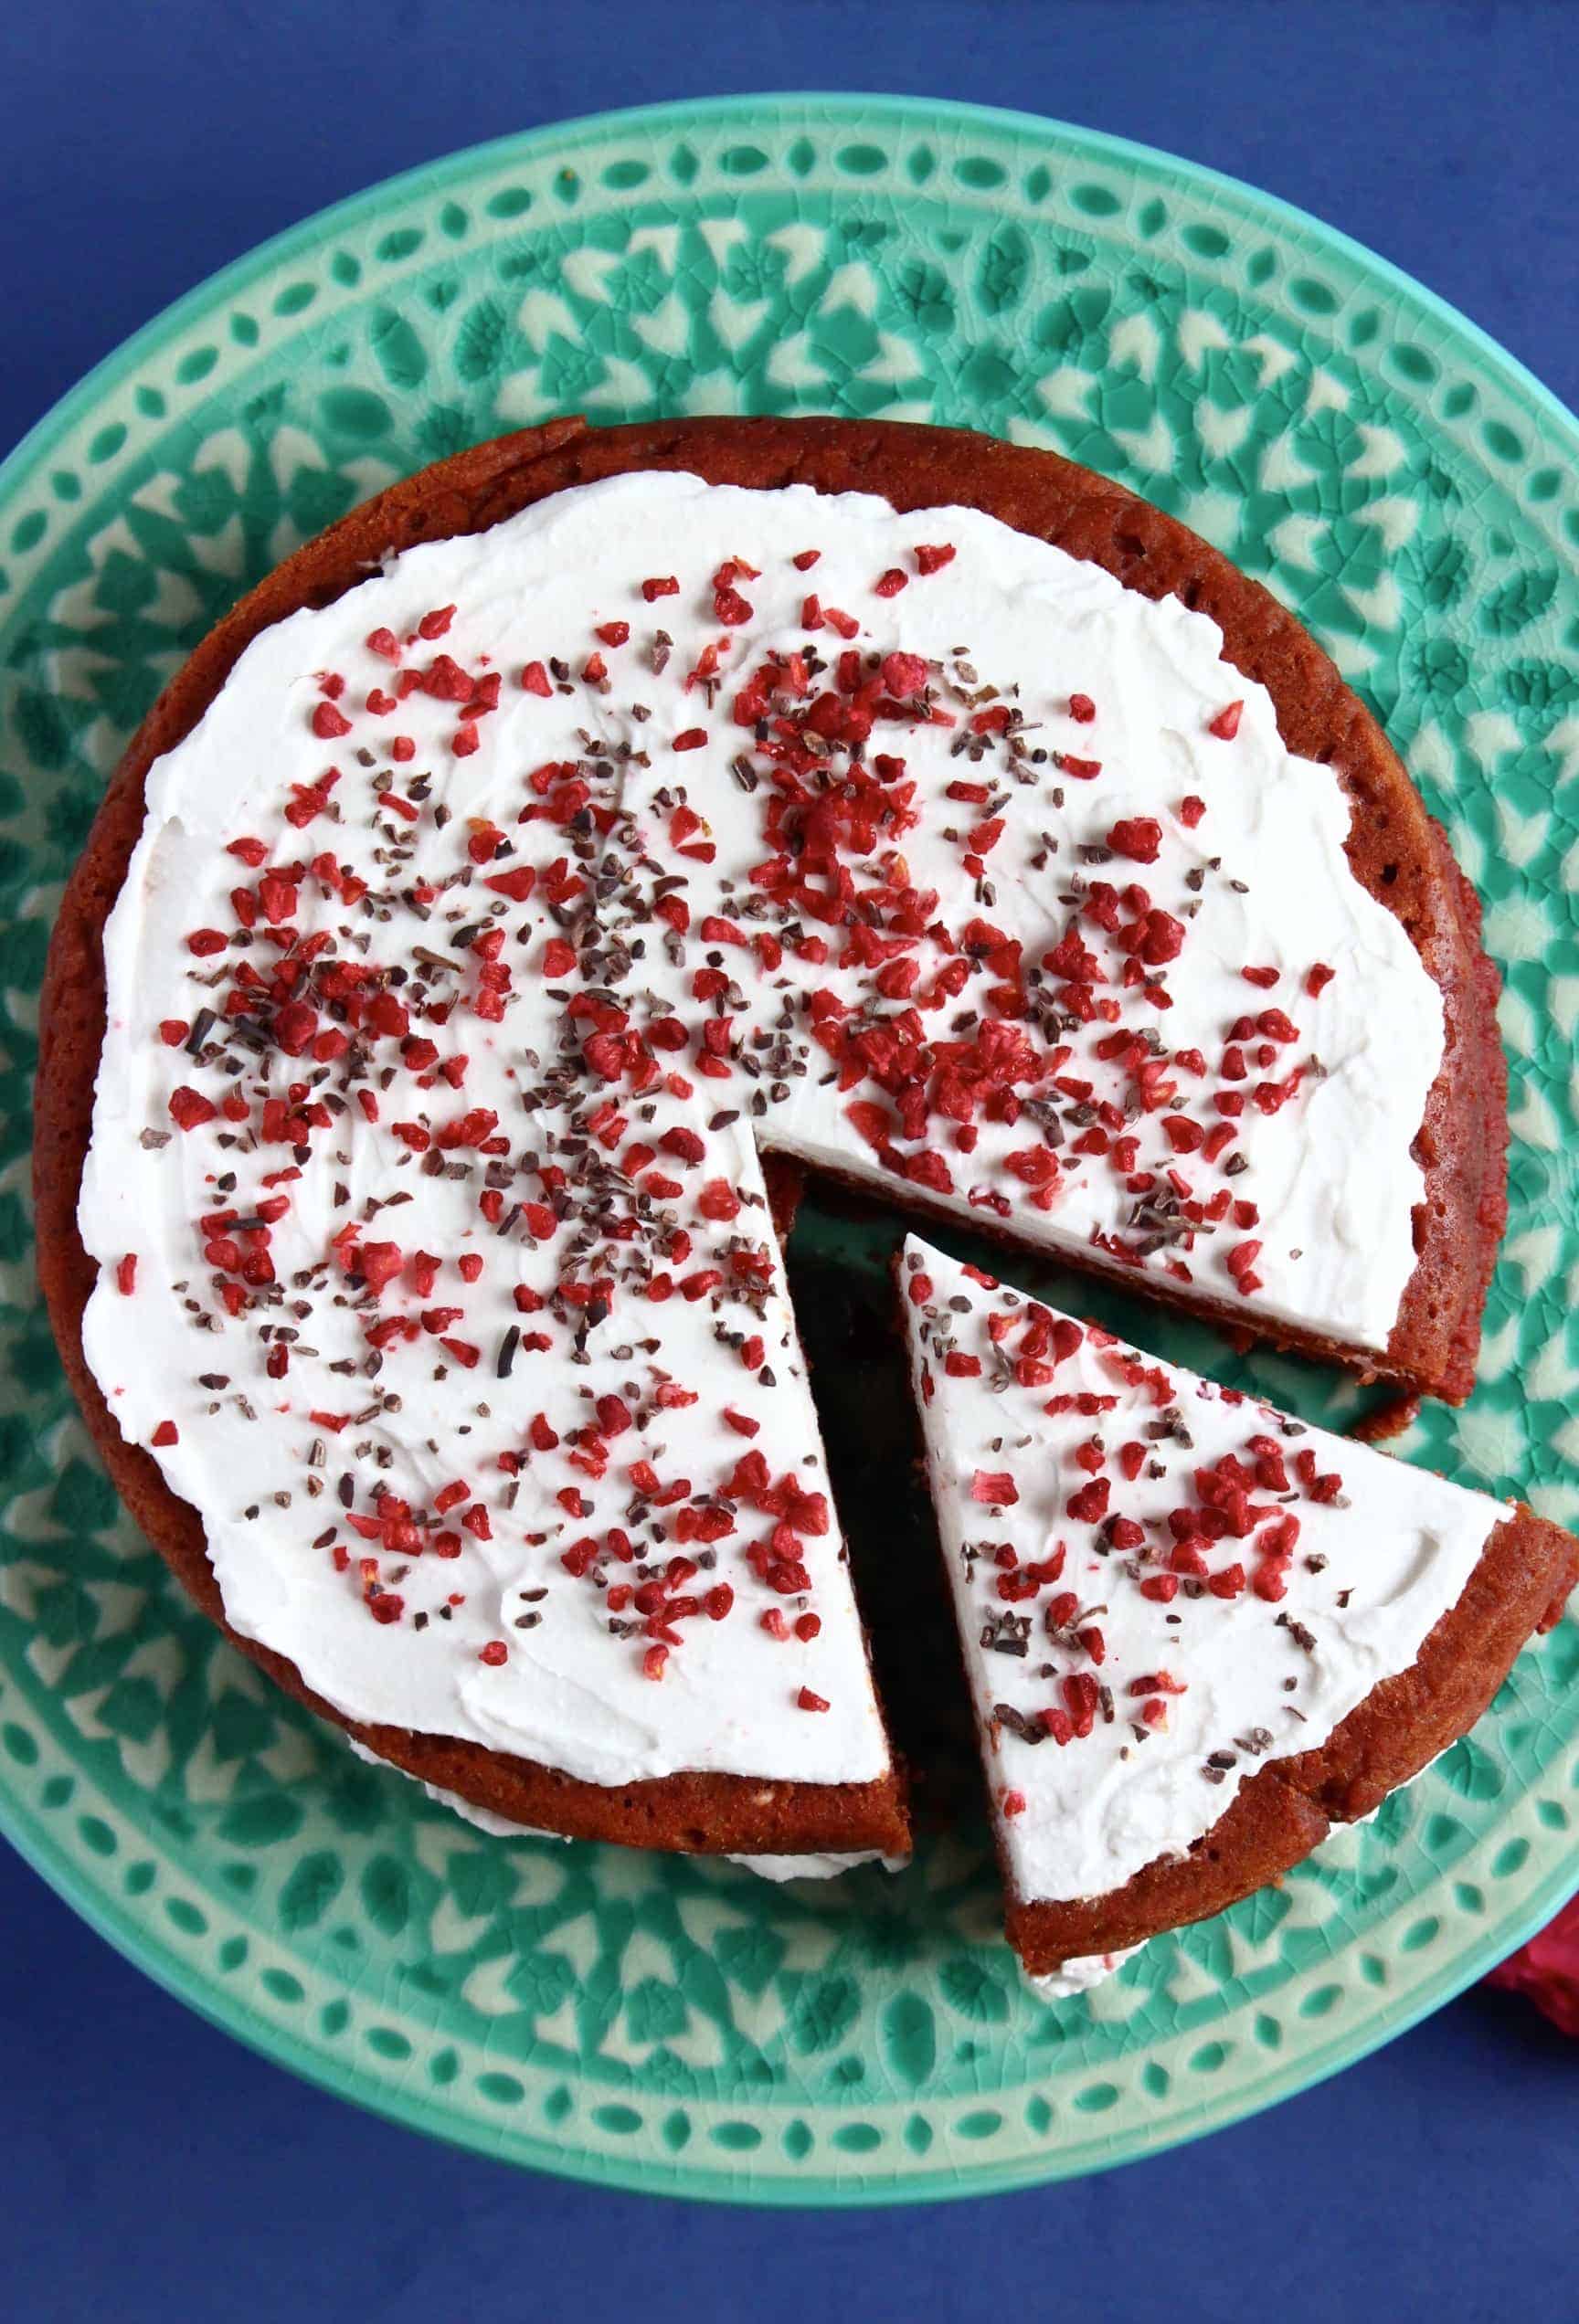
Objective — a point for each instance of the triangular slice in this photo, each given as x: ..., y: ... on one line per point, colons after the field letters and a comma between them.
x: 1197, y: 1632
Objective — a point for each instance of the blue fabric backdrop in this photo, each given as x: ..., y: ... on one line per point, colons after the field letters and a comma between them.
x: 150, y: 2168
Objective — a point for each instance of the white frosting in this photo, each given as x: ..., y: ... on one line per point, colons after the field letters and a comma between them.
x: 780, y: 1868
x: 1393, y: 1554
x: 1331, y: 1172
x: 1080, y: 1976
x: 497, y: 1827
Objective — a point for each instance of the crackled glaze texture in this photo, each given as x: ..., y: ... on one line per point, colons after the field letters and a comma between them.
x: 672, y: 2023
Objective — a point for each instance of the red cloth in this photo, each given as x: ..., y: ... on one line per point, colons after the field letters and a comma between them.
x: 1546, y: 1970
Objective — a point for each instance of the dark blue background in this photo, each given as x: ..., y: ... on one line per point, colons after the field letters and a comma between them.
x: 150, y: 2168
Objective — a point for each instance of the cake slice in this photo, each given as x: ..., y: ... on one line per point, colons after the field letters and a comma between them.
x: 1197, y: 1632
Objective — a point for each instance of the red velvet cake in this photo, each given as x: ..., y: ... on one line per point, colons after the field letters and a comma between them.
x: 586, y: 829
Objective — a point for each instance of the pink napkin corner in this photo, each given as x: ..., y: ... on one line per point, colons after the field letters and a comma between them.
x: 1546, y: 1970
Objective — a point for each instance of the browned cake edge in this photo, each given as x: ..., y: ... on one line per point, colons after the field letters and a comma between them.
x: 1395, y: 849
x: 1519, y: 1585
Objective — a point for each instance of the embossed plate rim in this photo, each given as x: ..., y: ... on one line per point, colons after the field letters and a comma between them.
x: 336, y: 217
x: 654, y: 2175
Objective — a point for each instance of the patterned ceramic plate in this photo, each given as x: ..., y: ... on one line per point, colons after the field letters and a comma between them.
x: 1392, y: 475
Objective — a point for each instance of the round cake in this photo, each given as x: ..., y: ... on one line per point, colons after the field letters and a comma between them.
x: 540, y: 870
